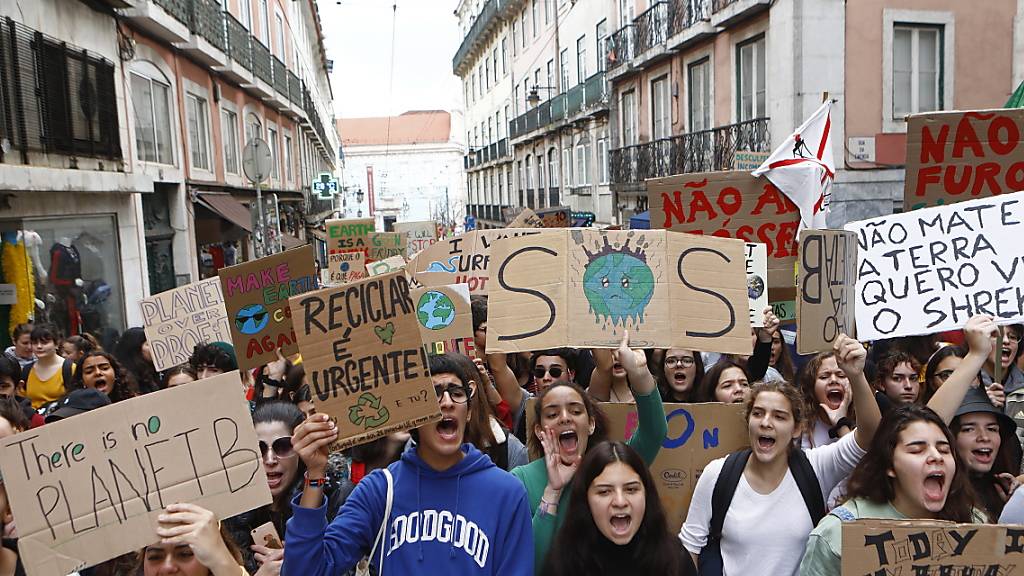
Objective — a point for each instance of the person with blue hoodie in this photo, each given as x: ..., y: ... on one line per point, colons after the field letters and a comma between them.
x: 453, y: 511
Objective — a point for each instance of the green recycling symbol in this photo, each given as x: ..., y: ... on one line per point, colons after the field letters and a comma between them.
x: 357, y: 414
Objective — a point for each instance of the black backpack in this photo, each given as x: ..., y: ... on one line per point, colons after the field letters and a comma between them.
x: 710, y: 560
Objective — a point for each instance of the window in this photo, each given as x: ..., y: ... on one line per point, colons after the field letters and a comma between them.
x: 553, y: 168
x: 279, y: 36
x: 274, y: 156
x: 629, y: 135
x: 490, y: 130
x: 517, y: 100
x: 264, y: 22
x: 494, y: 65
x: 529, y: 172
x: 563, y: 62
x: 504, y: 57
x: 541, y: 172
x: 602, y: 36
x: 245, y: 13
x: 661, y: 121
x: 497, y: 125
x: 487, y: 74
x: 582, y: 162
x: 699, y: 83
x: 287, y: 157
x: 547, y: 11
x: 151, y: 103
x: 197, y: 116
x: 581, y: 59
x: 508, y: 118
x: 536, y: 81
x: 515, y: 35
x: 916, y: 70
x: 567, y: 167
x: 602, y: 159
x: 750, y: 79
x: 536, y: 17
x: 551, y: 72
x: 524, y: 26
x: 229, y: 137
x: 508, y: 174
x: 627, y: 11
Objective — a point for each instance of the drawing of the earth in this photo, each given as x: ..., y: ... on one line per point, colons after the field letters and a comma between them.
x: 755, y: 287
x: 435, y: 310
x: 251, y: 319
x: 618, y: 286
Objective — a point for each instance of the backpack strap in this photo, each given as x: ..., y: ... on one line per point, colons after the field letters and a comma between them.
x: 725, y: 489
x: 65, y: 372
x: 808, y: 483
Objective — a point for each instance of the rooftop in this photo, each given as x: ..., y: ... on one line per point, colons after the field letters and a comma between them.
x: 413, y: 127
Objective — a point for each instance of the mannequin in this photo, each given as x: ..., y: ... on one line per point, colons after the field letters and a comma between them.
x: 66, y: 279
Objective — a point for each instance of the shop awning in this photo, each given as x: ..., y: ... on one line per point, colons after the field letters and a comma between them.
x: 228, y: 208
x: 288, y: 242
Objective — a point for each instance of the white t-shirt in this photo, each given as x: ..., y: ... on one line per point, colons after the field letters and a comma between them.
x: 766, y: 533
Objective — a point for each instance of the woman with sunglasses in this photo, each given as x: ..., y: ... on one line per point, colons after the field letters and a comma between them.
x: 275, y: 421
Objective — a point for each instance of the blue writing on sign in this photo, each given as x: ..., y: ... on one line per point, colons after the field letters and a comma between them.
x: 710, y: 438
x: 669, y: 442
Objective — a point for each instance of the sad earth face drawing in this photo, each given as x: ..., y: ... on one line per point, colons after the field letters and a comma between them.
x: 618, y: 283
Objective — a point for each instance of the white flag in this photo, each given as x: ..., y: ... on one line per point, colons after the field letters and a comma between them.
x: 803, y: 168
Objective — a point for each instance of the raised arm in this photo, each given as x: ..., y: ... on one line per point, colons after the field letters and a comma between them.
x: 600, y: 388
x: 635, y: 363
x: 978, y: 331
x: 850, y: 355
x: 757, y: 364
x: 505, y: 380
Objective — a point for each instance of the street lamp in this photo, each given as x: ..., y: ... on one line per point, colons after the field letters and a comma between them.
x: 533, y: 98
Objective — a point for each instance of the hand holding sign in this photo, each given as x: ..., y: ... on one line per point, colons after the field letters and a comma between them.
x: 770, y: 325
x: 850, y: 355
x: 200, y: 529
x: 980, y: 334
x: 311, y: 441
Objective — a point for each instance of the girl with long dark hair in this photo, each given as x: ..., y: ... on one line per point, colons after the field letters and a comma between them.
x: 728, y: 381
x: 829, y: 400
x: 100, y: 370
x: 133, y: 352
x: 615, y: 523
x: 681, y: 374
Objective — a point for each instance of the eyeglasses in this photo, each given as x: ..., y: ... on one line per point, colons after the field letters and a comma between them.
x: 457, y: 392
x: 674, y: 361
x: 555, y: 371
x: 282, y: 447
x: 944, y: 375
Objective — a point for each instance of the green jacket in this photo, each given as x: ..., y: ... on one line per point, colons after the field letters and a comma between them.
x: 650, y: 433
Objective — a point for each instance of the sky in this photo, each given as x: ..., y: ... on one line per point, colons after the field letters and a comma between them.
x: 357, y: 36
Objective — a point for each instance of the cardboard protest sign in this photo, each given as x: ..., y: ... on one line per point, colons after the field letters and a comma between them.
x: 730, y: 205
x: 460, y: 260
x: 825, y: 289
x: 930, y: 270
x: 176, y: 320
x: 697, y: 434
x: 757, y: 281
x: 343, y: 233
x: 930, y: 547
x: 419, y: 235
x: 383, y: 245
x: 89, y: 488
x: 443, y: 313
x: 526, y: 219
x: 256, y: 297
x: 955, y: 156
x: 583, y: 287
x: 364, y: 358
x: 385, y: 266
x: 554, y: 217
x: 345, y: 267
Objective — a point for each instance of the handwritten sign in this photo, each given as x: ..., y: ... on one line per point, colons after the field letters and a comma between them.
x: 730, y: 205
x: 176, y: 320
x: 89, y: 488
x: 460, y: 260
x: 364, y: 358
x: 554, y: 217
x: 385, y: 266
x: 419, y: 235
x: 343, y: 233
x: 825, y: 289
x: 443, y: 313
x: 345, y: 267
x: 697, y: 434
x: 955, y: 156
x: 583, y: 287
x: 526, y: 218
x: 757, y: 281
x: 930, y: 547
x: 256, y: 297
x: 930, y: 270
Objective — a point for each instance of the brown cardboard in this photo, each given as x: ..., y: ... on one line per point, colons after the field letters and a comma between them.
x: 930, y: 547
x: 420, y: 235
x: 734, y: 205
x: 364, y: 358
x: 176, y: 320
x: 262, y: 287
x: 697, y: 434
x: 383, y: 245
x: 555, y: 217
x: 443, y: 313
x: 463, y: 259
x: 342, y: 234
x: 345, y: 267
x: 526, y: 219
x: 954, y: 156
x: 826, y: 289
x: 385, y: 266
x: 102, y: 477
x: 583, y: 287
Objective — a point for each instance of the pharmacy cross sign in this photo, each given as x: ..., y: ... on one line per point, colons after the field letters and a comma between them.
x: 325, y: 186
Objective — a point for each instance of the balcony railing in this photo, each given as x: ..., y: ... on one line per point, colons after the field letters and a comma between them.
x: 239, y: 43
x: 178, y: 8
x: 55, y: 97
x: 686, y: 13
x: 294, y: 89
x: 718, y: 5
x: 261, y: 62
x: 651, y: 27
x: 207, y: 20
x: 704, y: 151
x: 477, y: 29
x: 581, y: 97
x: 280, y: 77
x: 620, y: 47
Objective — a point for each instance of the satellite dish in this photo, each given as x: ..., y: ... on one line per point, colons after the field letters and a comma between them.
x: 256, y: 160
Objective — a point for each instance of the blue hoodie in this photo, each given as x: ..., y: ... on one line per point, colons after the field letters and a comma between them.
x: 472, y: 518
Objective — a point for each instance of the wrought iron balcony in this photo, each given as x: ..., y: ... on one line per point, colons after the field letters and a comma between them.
x: 704, y: 151
x: 687, y: 13
x: 719, y: 5
x: 579, y: 98
x: 179, y: 9
x: 261, y: 62
x: 206, y: 18
x: 294, y: 89
x: 478, y: 30
x: 239, y: 43
x: 620, y: 47
x: 651, y: 27
x: 54, y: 97
x: 280, y: 77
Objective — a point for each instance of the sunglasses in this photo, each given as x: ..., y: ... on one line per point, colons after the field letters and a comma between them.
x: 282, y: 447
x: 457, y: 392
x: 555, y: 371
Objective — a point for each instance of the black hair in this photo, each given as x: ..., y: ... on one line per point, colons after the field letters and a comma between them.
x: 129, y: 353
x: 123, y: 386
x: 174, y: 371
x: 932, y: 368
x: 288, y: 414
x: 448, y: 364
x: 478, y: 307
x: 567, y: 354
x: 84, y: 343
x: 212, y: 355
x: 710, y: 382
x: 10, y: 367
x: 21, y: 329
x: 663, y: 385
x: 14, y: 413
x: 45, y: 333
x: 593, y: 409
